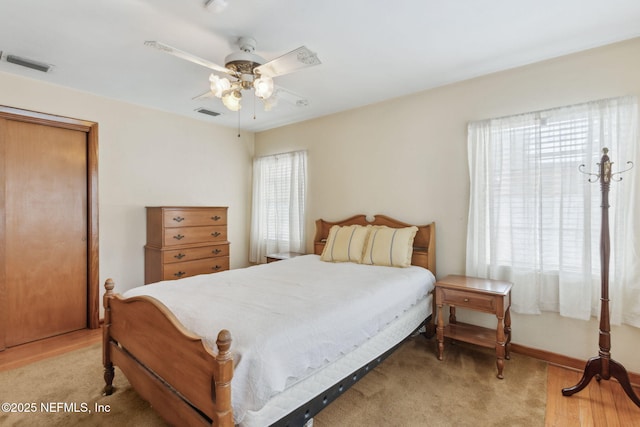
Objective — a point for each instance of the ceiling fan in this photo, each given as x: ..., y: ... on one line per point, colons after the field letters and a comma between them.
x: 245, y: 70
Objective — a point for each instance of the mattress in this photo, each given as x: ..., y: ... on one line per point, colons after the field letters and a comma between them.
x: 304, y: 391
x: 291, y: 318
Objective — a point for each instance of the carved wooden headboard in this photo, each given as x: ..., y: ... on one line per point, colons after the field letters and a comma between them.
x: 424, y: 244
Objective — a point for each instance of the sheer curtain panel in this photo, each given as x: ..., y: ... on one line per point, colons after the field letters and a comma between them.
x: 277, y: 218
x: 534, y: 219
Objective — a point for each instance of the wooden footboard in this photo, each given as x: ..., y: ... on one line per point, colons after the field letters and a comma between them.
x: 168, y: 366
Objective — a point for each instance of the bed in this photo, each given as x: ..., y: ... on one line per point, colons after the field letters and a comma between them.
x: 184, y: 367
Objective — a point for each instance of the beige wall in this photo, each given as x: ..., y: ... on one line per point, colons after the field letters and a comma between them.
x: 407, y: 158
x: 149, y: 158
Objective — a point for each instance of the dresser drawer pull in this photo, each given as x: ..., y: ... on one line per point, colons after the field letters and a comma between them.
x: 216, y: 233
x: 216, y: 251
x: 216, y: 218
x: 180, y: 274
x: 217, y: 267
x: 466, y: 300
x: 178, y: 219
x: 179, y: 256
x: 178, y: 237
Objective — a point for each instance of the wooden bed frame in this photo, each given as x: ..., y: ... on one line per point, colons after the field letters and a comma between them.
x: 171, y: 368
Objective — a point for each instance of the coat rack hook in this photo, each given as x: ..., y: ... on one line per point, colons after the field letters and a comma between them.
x: 622, y: 171
x: 594, y: 176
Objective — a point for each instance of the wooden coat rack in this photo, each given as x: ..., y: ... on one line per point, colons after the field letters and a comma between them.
x: 602, y: 366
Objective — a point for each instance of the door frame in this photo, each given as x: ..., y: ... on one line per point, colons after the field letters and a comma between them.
x: 93, y: 277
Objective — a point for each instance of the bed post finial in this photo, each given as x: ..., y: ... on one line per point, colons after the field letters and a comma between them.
x: 223, y: 373
x: 109, y: 285
x: 106, y: 339
x: 224, y: 343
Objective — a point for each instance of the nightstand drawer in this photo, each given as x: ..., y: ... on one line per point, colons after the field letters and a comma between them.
x: 471, y: 300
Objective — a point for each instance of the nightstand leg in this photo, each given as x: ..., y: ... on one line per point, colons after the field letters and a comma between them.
x: 507, y: 332
x: 440, y: 332
x: 500, y: 346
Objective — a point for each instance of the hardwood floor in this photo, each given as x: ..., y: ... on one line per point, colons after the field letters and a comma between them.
x: 601, y: 404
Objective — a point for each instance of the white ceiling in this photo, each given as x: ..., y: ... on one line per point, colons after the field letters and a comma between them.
x: 371, y: 50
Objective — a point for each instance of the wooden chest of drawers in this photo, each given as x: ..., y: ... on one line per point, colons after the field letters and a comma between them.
x: 185, y: 241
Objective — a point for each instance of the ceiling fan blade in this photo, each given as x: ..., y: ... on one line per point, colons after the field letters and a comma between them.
x: 188, y: 56
x: 206, y: 95
x: 290, y: 97
x: 295, y: 60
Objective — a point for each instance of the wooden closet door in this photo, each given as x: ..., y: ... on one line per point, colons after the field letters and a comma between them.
x: 45, y: 230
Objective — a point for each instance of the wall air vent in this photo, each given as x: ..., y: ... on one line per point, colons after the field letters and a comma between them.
x: 207, y: 112
x: 29, y: 63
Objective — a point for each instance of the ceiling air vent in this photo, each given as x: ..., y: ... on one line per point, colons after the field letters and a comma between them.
x: 207, y: 112
x: 29, y: 63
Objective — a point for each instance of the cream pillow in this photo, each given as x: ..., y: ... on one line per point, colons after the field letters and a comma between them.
x: 345, y: 243
x: 389, y: 246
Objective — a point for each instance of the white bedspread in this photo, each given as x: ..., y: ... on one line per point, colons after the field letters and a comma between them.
x: 289, y: 318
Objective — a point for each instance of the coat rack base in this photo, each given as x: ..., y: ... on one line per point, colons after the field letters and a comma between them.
x: 597, y: 367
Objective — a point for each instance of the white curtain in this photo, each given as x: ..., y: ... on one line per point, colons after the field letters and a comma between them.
x: 534, y: 219
x: 277, y: 218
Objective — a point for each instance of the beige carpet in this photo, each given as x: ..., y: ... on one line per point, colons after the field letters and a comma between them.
x: 411, y: 388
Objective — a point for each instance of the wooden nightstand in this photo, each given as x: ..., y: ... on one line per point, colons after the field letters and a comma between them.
x: 281, y: 256
x: 488, y: 296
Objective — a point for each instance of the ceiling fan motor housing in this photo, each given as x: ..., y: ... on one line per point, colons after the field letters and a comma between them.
x: 244, y: 61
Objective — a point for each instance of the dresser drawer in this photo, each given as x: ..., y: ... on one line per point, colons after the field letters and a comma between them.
x: 186, y: 217
x: 189, y: 235
x: 471, y: 300
x: 180, y: 270
x: 190, y: 254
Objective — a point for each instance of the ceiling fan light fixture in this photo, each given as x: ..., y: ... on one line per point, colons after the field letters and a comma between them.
x: 231, y: 100
x: 263, y: 86
x: 219, y: 85
x: 270, y: 103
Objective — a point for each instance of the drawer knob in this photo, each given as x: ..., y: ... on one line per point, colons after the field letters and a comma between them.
x: 216, y: 233
x: 216, y: 218
x: 217, y: 267
x: 178, y: 219
x: 179, y: 274
x: 179, y: 256
x: 466, y: 300
x: 216, y: 251
x: 178, y: 237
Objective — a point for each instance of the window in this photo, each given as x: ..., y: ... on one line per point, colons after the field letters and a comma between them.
x: 534, y: 219
x: 277, y: 220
